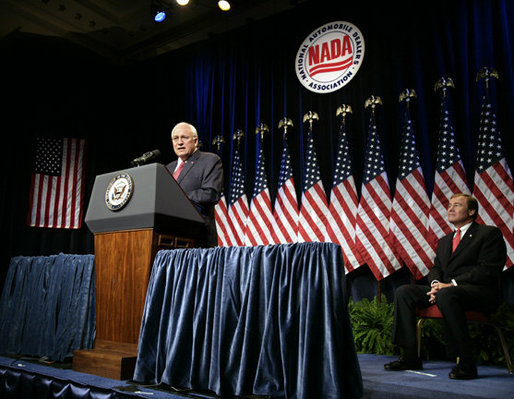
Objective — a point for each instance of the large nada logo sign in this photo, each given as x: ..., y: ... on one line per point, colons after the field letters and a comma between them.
x: 330, y: 57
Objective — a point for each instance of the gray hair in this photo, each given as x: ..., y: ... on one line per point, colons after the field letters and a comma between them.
x: 191, y: 127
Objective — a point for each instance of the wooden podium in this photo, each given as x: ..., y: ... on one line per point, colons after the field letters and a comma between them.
x: 155, y: 215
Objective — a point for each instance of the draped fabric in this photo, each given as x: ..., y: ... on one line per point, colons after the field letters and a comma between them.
x: 264, y: 320
x: 22, y: 379
x: 26, y: 385
x: 47, y: 307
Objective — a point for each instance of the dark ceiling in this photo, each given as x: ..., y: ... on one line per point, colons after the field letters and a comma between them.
x: 123, y: 30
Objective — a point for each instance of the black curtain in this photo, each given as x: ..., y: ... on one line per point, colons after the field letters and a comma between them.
x: 242, y: 78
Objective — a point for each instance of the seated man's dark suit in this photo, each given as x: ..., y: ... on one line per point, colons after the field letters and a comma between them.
x: 475, y: 266
x: 202, y: 181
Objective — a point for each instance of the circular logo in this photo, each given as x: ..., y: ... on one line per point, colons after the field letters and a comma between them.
x: 118, y: 191
x: 330, y: 57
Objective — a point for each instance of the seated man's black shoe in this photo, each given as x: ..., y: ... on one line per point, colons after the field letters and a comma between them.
x: 403, y: 364
x: 463, y: 372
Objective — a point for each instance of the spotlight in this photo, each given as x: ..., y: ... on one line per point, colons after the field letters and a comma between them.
x: 224, y: 5
x: 159, y: 10
x: 159, y: 16
x: 182, y: 2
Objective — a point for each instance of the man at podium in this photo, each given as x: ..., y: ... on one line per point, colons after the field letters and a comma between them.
x: 199, y: 174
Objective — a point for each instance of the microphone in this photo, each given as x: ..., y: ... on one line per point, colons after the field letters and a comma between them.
x: 147, y: 156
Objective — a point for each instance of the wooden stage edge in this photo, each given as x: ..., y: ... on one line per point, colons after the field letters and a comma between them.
x: 115, y: 360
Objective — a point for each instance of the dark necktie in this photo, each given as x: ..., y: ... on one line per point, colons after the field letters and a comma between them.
x: 456, y: 240
x: 176, y: 174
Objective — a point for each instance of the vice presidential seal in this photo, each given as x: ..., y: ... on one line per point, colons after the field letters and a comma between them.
x: 330, y: 57
x: 118, y: 191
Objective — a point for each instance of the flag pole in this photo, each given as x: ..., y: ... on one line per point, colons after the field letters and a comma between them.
x: 372, y: 102
x: 342, y: 111
x: 406, y: 97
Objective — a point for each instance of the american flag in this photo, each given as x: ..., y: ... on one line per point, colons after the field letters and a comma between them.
x: 285, y: 212
x: 314, y: 208
x: 450, y: 178
x: 224, y: 225
x: 260, y: 219
x: 372, y: 229
x: 238, y: 203
x: 343, y: 204
x: 409, y: 215
x: 222, y: 221
x: 493, y: 180
x: 57, y: 187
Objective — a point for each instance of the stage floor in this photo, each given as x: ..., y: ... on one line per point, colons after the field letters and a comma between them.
x: 433, y: 381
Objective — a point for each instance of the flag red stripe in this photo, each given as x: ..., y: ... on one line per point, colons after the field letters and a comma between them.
x: 313, y: 203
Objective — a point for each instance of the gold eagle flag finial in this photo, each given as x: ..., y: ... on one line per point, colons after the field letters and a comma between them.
x: 218, y: 141
x: 407, y: 95
x: 285, y: 123
x: 487, y: 74
x: 342, y: 111
x: 238, y: 136
x: 310, y: 117
x: 443, y: 84
x: 372, y: 102
x: 261, y: 129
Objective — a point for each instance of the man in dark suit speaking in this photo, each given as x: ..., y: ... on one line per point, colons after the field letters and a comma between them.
x: 465, y: 277
x: 199, y: 174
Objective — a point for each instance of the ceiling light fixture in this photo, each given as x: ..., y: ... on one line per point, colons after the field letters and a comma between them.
x: 224, y: 5
x: 159, y: 16
x: 182, y: 2
x: 159, y: 10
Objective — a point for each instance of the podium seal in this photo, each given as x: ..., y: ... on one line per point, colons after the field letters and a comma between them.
x: 119, y: 191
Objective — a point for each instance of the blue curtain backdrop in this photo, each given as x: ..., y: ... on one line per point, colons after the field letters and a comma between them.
x: 248, y: 77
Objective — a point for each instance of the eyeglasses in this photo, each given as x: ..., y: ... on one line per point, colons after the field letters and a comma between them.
x: 183, y: 138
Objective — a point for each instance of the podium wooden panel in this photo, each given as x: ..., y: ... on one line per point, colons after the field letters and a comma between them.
x: 123, y: 263
x: 158, y: 215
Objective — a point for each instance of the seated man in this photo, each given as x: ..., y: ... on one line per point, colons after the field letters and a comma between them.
x: 465, y: 276
x: 200, y: 174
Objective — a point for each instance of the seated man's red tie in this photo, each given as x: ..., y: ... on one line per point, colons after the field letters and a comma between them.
x: 456, y: 240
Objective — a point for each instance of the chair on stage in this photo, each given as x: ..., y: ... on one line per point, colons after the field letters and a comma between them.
x: 433, y: 312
